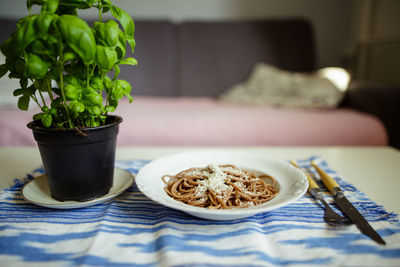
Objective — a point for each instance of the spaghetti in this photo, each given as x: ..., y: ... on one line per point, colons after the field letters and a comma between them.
x: 220, y: 187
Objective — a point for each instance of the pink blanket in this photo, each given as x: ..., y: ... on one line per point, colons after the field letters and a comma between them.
x: 184, y: 121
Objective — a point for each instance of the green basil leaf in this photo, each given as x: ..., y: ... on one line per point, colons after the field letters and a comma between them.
x: 69, y: 55
x: 96, y: 83
x: 41, y: 47
x: 121, y: 45
x: 127, y: 23
x: 23, y: 102
x: 71, y: 92
x: 129, y: 61
x: 35, y: 66
x: 117, y: 93
x: 6, y: 47
x: 91, y: 2
x: 110, y: 108
x: 56, y: 102
x: 47, y: 119
x: 16, y: 64
x: 106, y: 2
x: 45, y: 109
x: 113, y: 102
x: 106, y: 5
x: 117, y: 71
x: 54, y: 112
x: 105, y: 9
x: 130, y: 98
x: 65, y: 9
x: 93, y: 99
x: 107, y: 33
x: 121, y: 88
x: 30, y: 90
x: 38, y: 116
x: 50, y: 39
x: 50, y: 6
x: 18, y: 92
x: 81, y: 4
x: 124, y: 85
x: 15, y: 75
x: 42, y: 23
x: 24, y: 35
x: 76, y: 107
x: 94, y: 110
x: 108, y: 83
x: 71, y: 80
x: 106, y: 57
x: 24, y: 83
x: 78, y: 35
x: 95, y: 122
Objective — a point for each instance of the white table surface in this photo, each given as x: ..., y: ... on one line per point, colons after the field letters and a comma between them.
x: 373, y: 170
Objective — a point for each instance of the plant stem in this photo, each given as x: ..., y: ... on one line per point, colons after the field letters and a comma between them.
x: 41, y: 96
x: 100, y: 8
x: 87, y: 75
x: 60, y: 64
x: 71, y: 124
x: 36, y: 101
x: 33, y: 96
x: 48, y: 81
x: 102, y: 81
x: 94, y: 67
x: 107, y: 95
x: 40, y: 93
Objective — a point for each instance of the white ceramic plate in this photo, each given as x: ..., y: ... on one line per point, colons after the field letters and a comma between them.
x: 292, y: 182
x: 37, y: 192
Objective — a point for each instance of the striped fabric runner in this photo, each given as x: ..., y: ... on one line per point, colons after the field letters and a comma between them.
x: 131, y: 230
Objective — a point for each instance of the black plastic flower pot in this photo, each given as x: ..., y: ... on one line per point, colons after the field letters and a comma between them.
x: 79, y: 164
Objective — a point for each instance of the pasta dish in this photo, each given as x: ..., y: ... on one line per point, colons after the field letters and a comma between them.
x: 220, y: 187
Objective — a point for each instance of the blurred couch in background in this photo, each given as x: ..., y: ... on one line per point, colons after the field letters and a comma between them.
x: 185, y: 67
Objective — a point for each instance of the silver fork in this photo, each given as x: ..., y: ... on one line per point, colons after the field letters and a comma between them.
x: 330, y: 216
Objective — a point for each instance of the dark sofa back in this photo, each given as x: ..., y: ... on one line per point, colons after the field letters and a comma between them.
x: 206, y: 58
x: 213, y: 56
x: 155, y: 50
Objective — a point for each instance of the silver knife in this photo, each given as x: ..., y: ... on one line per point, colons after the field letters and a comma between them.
x: 348, y: 208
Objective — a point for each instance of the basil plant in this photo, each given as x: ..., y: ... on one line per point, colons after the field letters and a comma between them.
x: 57, y: 47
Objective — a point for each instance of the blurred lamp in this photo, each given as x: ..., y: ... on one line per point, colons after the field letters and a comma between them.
x: 338, y: 76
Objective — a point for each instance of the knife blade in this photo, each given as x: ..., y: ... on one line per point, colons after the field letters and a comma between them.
x: 346, y: 206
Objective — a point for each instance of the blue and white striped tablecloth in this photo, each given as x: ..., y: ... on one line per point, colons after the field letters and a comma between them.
x: 131, y: 230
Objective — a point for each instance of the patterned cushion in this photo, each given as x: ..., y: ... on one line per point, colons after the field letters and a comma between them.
x: 268, y: 85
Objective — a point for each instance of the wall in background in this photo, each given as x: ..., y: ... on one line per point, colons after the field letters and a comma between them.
x: 378, y: 40
x: 363, y: 35
x: 332, y: 19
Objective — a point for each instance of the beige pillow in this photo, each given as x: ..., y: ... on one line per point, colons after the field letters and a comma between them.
x: 268, y: 85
